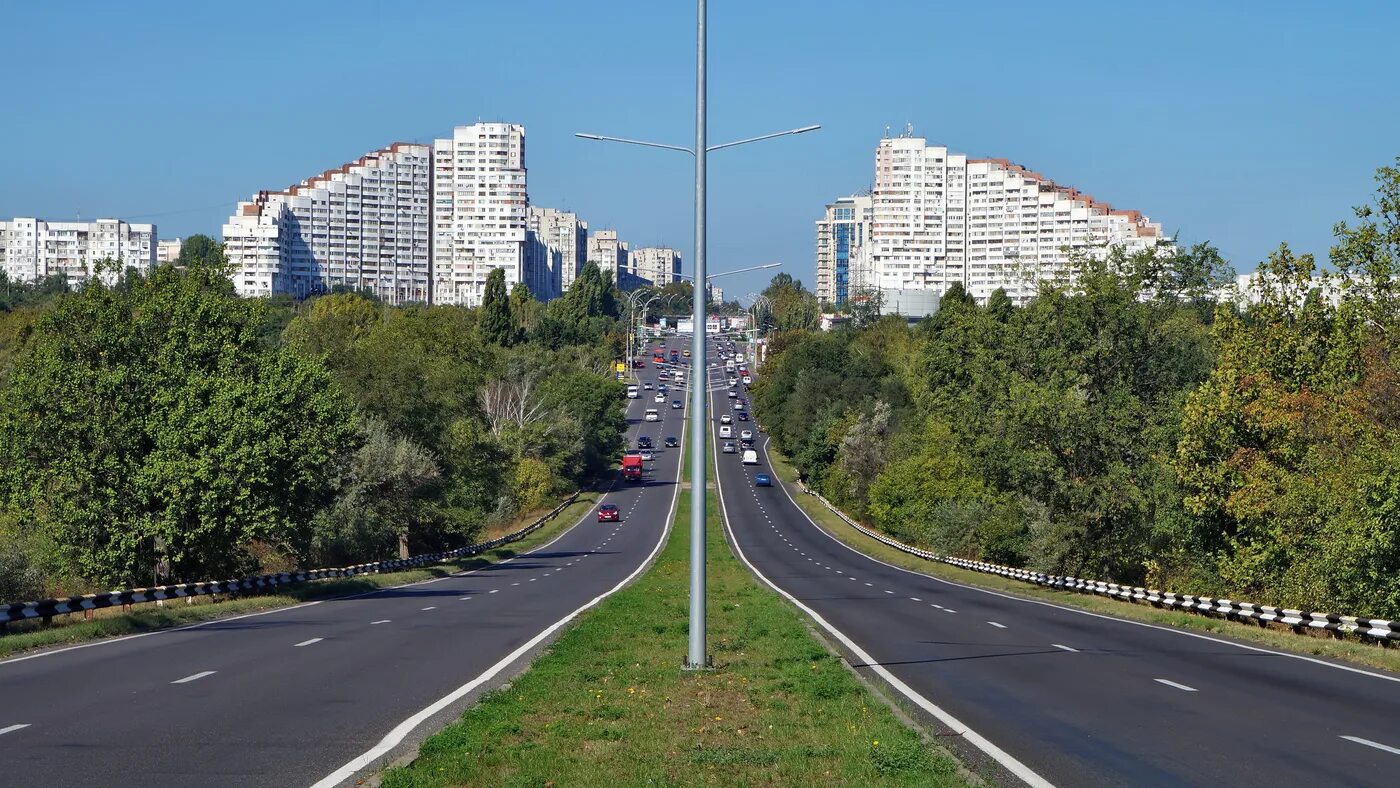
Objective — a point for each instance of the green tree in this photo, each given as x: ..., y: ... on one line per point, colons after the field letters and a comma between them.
x: 201, y: 250
x: 496, y: 325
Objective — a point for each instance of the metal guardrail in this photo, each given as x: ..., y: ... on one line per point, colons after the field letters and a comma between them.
x: 1299, y: 620
x: 48, y: 608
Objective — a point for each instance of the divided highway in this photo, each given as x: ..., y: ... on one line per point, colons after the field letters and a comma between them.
x: 1064, y: 697
x: 314, y: 694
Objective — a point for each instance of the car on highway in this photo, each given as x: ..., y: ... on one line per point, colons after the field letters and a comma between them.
x: 746, y: 444
x: 745, y: 435
x: 728, y: 448
x: 725, y: 418
x: 741, y: 414
x: 662, y: 387
x: 648, y: 455
x: 632, y: 392
x: 726, y: 431
x: 748, y: 381
x: 750, y: 457
x: 686, y: 352
x: 659, y: 397
x: 672, y: 442
x: 675, y: 404
x: 609, y: 513
x: 733, y: 394
x: 652, y: 414
x: 762, y: 480
x: 647, y: 386
x: 644, y: 442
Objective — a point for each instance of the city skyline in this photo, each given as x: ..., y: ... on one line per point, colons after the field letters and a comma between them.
x: 1215, y: 146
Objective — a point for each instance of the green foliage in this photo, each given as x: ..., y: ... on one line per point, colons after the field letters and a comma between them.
x: 201, y: 250
x: 496, y: 325
x: 153, y: 411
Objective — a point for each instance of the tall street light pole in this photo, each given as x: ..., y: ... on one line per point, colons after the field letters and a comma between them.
x: 696, y: 656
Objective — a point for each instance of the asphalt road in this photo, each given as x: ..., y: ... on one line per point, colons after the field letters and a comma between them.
x: 295, y: 696
x: 1072, y: 698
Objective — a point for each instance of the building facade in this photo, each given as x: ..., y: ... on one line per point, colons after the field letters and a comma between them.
x: 610, y: 254
x: 557, y: 249
x: 364, y: 225
x: 479, y: 210
x: 659, y: 265
x: 939, y: 218
x: 843, y: 251
x: 32, y: 249
x: 168, y: 251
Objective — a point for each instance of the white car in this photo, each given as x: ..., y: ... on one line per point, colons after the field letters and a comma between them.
x: 748, y: 380
x: 652, y: 415
x: 647, y: 455
x: 733, y: 394
x: 646, y: 386
x: 750, y: 457
x: 659, y: 398
x: 725, y: 418
x: 726, y: 431
x: 745, y: 435
x: 632, y: 392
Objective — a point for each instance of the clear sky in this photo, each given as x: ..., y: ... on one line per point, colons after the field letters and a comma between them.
x: 1242, y: 123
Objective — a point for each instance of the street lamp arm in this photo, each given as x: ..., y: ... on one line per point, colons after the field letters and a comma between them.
x: 604, y: 138
x: 802, y: 130
x: 708, y: 277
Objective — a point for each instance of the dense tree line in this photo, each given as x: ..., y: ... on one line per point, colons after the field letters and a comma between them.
x: 163, y: 417
x: 1131, y: 428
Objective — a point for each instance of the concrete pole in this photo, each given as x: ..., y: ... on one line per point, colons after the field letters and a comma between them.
x: 696, y: 656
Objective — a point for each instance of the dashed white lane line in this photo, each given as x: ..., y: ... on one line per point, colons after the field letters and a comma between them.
x: 935, y: 604
x: 494, y: 591
x: 915, y: 599
x: 998, y: 626
x: 431, y: 607
x: 1171, y: 683
x: 889, y: 592
x: 515, y: 584
x: 949, y: 610
x: 195, y: 677
x: 464, y: 599
x: 871, y: 585
x: 1065, y: 648
x: 1357, y: 739
x: 381, y: 621
x: 13, y: 728
x: 533, y: 579
x: 308, y: 642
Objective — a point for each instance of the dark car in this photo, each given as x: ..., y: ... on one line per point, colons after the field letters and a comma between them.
x: 741, y: 415
x: 762, y: 480
x: 672, y: 442
x: 676, y: 404
x: 747, y: 443
x: 609, y: 513
x: 644, y: 442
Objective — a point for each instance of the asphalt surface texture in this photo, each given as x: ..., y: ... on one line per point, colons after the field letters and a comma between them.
x: 293, y: 696
x: 1073, y: 698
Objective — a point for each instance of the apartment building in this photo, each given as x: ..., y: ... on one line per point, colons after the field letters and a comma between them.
x: 843, y: 249
x: 168, y: 251
x: 364, y: 225
x: 479, y: 210
x: 659, y: 265
x: 33, y: 249
x: 938, y: 218
x: 557, y: 250
x: 609, y: 253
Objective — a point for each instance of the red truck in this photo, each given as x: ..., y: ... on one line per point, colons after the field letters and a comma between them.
x: 632, y: 467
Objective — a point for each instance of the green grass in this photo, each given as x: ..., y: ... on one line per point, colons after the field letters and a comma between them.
x: 1317, y: 644
x: 147, y: 617
x: 608, y: 704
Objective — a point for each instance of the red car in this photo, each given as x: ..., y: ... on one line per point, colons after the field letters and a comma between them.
x: 609, y: 513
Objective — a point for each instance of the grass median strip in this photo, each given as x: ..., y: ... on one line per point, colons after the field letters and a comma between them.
x: 608, y: 704
x: 1310, y: 644
x: 147, y: 617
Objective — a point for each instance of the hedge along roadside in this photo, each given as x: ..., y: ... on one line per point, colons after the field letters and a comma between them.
x: 1299, y: 620
x: 48, y: 608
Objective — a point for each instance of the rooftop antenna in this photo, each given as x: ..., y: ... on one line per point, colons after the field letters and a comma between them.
x: 887, y: 132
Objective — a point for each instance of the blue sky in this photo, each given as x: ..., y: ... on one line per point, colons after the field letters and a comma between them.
x: 1244, y: 123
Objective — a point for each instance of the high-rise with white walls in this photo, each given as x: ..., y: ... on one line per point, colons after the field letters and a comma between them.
x: 843, y: 251
x: 33, y: 249
x: 364, y: 225
x: 939, y: 218
x: 479, y: 210
x: 659, y: 265
x: 168, y: 251
x: 609, y: 253
x: 558, y: 250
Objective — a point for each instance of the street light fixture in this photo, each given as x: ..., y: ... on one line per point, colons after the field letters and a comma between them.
x: 696, y: 656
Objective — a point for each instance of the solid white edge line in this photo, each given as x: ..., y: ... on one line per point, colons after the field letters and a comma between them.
x: 1357, y: 739
x: 289, y: 608
x: 1079, y: 611
x: 13, y: 728
x: 974, y: 738
x: 400, y: 731
x: 1171, y: 683
x: 194, y: 677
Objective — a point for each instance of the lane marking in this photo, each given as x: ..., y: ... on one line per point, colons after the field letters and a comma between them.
x: 998, y: 626
x: 308, y: 642
x: 1171, y: 683
x: 888, y: 591
x: 1065, y: 648
x: 464, y: 599
x: 949, y: 610
x: 380, y: 621
x: 430, y: 607
x: 1357, y: 739
x: 195, y: 677
x: 13, y: 728
x: 915, y: 599
x: 974, y: 738
x: 494, y: 591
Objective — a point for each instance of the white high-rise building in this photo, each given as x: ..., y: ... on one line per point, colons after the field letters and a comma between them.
x: 843, y: 249
x: 610, y: 254
x: 479, y: 210
x: 364, y: 225
x: 940, y: 218
x: 33, y: 249
x: 659, y: 265
x: 558, y: 249
x: 168, y: 251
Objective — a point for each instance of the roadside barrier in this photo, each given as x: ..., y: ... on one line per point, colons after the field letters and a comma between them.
x: 1298, y: 620
x: 48, y: 608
